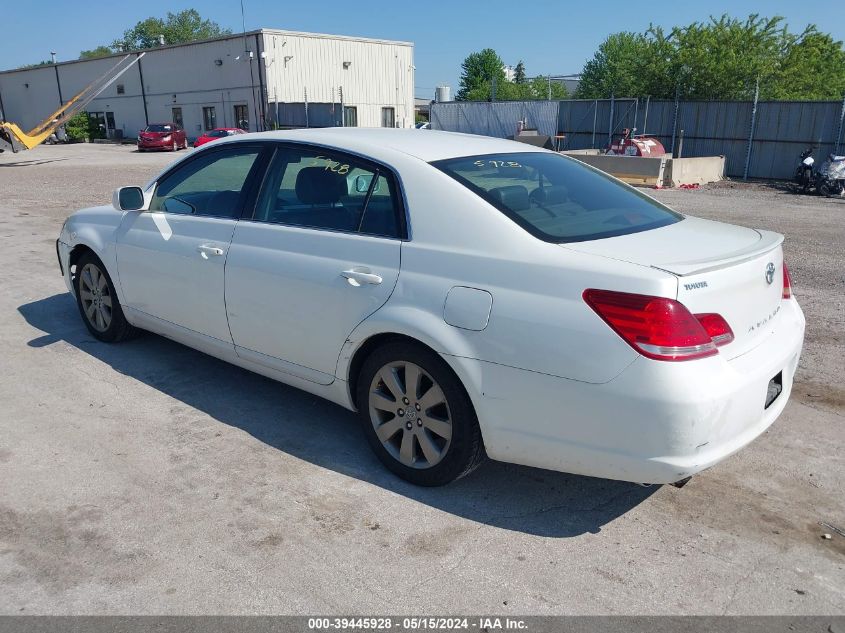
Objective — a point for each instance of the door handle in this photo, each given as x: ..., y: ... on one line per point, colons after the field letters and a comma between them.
x: 205, y: 250
x: 359, y: 276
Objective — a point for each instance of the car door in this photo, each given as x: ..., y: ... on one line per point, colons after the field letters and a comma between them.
x: 320, y: 254
x: 171, y: 258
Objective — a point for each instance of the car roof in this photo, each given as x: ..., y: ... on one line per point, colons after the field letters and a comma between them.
x: 380, y: 143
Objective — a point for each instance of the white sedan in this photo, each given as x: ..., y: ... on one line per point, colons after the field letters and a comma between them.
x: 467, y: 296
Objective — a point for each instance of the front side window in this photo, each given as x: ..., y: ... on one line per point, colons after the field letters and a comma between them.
x: 210, y: 185
x: 323, y: 189
x: 558, y: 199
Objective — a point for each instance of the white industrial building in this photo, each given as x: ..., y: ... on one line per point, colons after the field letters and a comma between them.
x: 256, y: 80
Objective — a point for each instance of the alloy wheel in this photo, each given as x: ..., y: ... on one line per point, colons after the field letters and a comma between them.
x: 95, y: 297
x: 410, y: 414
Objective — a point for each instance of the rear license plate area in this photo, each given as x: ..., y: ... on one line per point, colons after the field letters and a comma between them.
x: 774, y: 390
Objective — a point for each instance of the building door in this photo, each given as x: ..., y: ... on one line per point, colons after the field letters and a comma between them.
x: 110, y: 124
x: 350, y: 116
x: 97, y: 125
x: 388, y: 117
x: 242, y: 117
x: 209, y: 118
x: 177, y: 117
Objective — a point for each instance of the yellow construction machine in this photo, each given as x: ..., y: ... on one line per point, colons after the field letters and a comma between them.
x: 14, y: 138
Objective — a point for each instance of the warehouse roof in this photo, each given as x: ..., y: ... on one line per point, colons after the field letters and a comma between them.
x: 233, y: 36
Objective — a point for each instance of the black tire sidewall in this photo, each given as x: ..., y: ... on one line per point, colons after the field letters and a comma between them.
x: 118, y: 324
x: 465, y: 444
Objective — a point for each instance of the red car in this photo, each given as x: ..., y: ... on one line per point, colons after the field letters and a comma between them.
x: 162, y: 136
x: 218, y: 132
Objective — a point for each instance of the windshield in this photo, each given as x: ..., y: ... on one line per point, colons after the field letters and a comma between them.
x: 159, y: 128
x: 558, y: 199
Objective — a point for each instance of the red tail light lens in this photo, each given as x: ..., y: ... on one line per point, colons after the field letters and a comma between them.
x: 716, y: 327
x: 659, y: 328
x: 787, y: 283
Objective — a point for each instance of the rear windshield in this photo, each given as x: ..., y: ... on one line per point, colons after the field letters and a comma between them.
x: 558, y: 199
x: 219, y: 133
x: 159, y: 128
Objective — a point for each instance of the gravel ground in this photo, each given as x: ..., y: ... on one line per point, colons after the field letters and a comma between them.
x: 149, y: 478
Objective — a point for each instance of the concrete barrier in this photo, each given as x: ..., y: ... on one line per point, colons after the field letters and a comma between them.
x: 664, y: 171
x: 634, y: 170
x: 694, y: 171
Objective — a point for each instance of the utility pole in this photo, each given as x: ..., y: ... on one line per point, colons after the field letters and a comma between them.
x: 751, y: 131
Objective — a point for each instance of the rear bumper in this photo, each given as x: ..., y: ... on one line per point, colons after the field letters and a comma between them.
x: 657, y: 422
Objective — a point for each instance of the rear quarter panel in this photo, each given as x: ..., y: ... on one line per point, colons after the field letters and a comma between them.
x: 538, y: 321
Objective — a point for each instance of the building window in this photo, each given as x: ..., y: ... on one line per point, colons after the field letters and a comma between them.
x: 177, y: 117
x: 209, y: 118
x: 242, y: 117
x: 388, y: 117
x: 350, y: 116
x: 121, y: 89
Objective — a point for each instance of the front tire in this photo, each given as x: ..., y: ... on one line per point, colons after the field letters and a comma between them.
x: 417, y: 415
x: 98, y: 303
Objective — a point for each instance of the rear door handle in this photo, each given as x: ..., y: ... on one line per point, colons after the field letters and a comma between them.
x: 209, y: 251
x: 359, y: 276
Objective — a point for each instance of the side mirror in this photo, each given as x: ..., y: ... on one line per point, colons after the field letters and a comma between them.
x: 128, y: 199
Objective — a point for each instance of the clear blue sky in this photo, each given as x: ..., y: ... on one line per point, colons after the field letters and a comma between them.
x: 552, y: 37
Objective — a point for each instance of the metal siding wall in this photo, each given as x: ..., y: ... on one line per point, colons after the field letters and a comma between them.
x: 495, y: 119
x: 380, y: 74
x: 711, y: 128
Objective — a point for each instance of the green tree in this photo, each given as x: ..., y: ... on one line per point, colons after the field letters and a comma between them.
x: 41, y: 63
x: 723, y: 58
x: 519, y: 73
x: 540, y: 87
x: 477, y: 73
x: 628, y: 65
x: 813, y: 68
x: 177, y: 28
x: 100, y: 51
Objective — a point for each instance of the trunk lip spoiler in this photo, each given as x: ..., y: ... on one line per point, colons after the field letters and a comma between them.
x: 769, y: 240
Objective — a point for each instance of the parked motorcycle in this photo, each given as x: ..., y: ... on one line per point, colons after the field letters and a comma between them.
x: 804, y: 177
x: 830, y: 178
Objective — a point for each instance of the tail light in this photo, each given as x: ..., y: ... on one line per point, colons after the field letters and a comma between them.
x: 787, y: 283
x: 716, y: 327
x: 660, y: 328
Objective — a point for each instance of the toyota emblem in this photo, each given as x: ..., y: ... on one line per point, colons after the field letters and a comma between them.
x: 770, y: 273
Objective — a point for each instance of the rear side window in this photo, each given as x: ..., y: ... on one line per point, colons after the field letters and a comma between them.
x: 558, y: 199
x: 320, y: 188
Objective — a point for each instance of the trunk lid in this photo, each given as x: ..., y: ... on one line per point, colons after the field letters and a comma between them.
x: 720, y: 268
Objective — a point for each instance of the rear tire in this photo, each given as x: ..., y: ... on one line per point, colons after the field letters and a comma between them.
x: 417, y: 416
x: 98, y: 303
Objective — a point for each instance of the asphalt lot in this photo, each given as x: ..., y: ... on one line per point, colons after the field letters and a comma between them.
x: 149, y: 478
